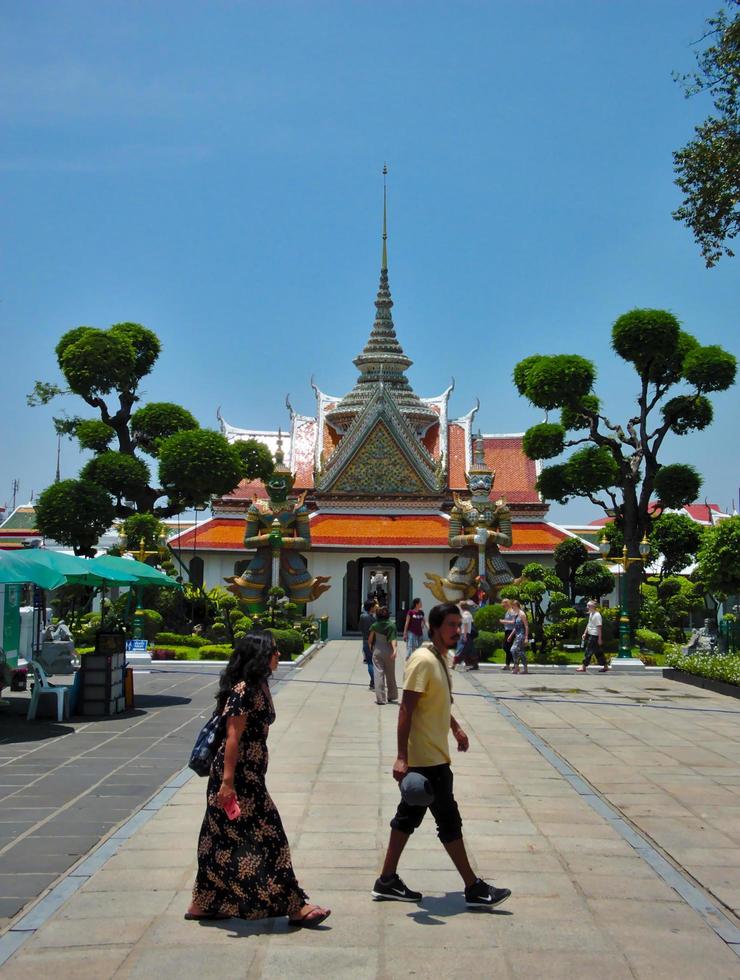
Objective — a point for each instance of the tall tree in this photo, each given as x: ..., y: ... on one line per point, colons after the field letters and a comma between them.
x: 708, y: 168
x: 569, y: 555
x: 618, y: 468
x: 719, y: 558
x: 105, y: 368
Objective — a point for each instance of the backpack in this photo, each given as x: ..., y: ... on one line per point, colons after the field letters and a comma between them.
x: 207, y: 744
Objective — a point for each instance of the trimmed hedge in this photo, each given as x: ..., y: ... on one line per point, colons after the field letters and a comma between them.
x: 289, y: 642
x: 487, y: 618
x: 175, y: 639
x: 650, y: 640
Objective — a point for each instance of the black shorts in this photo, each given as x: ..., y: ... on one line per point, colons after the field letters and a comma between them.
x: 444, y: 809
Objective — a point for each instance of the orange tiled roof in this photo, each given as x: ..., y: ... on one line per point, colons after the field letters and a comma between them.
x: 456, y: 454
x: 380, y: 530
x: 516, y: 475
x: 368, y: 531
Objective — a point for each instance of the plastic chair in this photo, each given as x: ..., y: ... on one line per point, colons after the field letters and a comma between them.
x: 43, y: 686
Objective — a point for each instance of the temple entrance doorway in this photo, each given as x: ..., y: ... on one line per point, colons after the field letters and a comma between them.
x: 376, y: 577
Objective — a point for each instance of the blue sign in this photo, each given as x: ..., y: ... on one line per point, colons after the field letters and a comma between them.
x: 137, y: 646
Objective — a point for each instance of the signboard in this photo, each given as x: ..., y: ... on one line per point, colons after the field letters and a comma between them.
x: 137, y: 646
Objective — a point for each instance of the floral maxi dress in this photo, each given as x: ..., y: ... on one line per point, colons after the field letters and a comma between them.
x: 244, y: 866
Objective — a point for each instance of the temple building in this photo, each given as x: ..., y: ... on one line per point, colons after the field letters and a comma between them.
x: 378, y: 470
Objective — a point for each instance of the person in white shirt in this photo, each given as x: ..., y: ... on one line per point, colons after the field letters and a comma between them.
x: 592, y: 637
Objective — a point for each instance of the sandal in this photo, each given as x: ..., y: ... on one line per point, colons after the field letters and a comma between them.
x: 313, y: 917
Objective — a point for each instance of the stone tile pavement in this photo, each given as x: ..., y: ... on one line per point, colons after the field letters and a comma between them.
x: 586, y: 901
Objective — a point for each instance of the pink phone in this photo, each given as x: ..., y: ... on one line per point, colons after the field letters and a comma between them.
x: 232, y: 808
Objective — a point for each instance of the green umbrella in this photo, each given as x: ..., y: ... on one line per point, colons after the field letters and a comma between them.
x: 78, y: 571
x: 17, y: 568
x: 143, y: 574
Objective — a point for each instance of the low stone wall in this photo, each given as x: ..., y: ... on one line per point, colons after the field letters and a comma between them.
x: 708, y: 683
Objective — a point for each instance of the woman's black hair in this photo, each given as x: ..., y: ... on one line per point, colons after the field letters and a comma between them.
x: 415, y: 602
x: 249, y: 662
x: 438, y: 614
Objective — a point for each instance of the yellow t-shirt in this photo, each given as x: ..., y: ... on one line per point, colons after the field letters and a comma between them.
x: 427, y: 675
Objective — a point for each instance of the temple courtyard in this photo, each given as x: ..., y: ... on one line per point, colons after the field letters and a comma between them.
x: 610, y: 805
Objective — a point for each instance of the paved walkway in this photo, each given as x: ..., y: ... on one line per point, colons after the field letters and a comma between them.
x: 608, y: 804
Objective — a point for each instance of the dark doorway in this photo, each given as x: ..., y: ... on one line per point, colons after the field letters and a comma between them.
x: 366, y: 575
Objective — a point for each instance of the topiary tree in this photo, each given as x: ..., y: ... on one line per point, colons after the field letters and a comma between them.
x: 593, y: 580
x: 74, y: 513
x: 569, y: 556
x: 676, y: 538
x: 105, y: 368
x: 719, y: 559
x: 618, y: 467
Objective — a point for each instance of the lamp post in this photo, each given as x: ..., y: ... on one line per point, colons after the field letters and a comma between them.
x: 625, y: 645
x: 141, y: 555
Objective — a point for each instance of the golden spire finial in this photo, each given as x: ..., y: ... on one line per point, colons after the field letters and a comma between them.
x: 384, y: 260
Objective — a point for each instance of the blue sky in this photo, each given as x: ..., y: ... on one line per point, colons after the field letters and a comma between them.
x: 212, y: 170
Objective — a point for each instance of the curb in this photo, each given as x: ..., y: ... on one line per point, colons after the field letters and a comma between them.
x: 707, y: 683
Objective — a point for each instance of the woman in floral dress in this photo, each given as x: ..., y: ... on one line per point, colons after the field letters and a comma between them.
x: 244, y: 866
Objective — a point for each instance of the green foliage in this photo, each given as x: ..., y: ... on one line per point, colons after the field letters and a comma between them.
x: 677, y: 484
x: 144, y: 526
x: 647, y: 339
x: 121, y: 475
x: 157, y: 421
x: 677, y: 539
x: 487, y: 643
x: 708, y: 168
x: 581, y: 414
x: 719, y: 558
x: 590, y: 469
x: 717, y: 666
x: 74, y: 513
x: 650, y: 640
x: 257, y: 461
x: 151, y: 623
x: 145, y: 345
x: 215, y: 651
x: 174, y: 639
x: 95, y: 362
x: 488, y: 618
x: 289, y: 642
x: 710, y: 368
x: 593, y: 580
x: 544, y: 441
x: 93, y: 434
x: 569, y: 555
x: 686, y: 413
x: 553, y: 484
x: 196, y: 465
x: 552, y: 381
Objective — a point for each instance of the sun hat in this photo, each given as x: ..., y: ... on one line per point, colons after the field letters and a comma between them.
x: 416, y: 789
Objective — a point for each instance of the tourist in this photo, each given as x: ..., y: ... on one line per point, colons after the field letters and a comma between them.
x: 519, y: 638
x: 593, y: 639
x: 507, y: 622
x: 413, y: 630
x: 465, y: 652
x: 383, y: 645
x: 424, y: 724
x: 367, y: 618
x: 244, y: 865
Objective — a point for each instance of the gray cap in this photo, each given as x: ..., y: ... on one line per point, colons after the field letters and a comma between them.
x: 416, y: 789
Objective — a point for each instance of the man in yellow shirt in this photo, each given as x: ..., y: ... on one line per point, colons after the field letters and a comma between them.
x: 424, y: 723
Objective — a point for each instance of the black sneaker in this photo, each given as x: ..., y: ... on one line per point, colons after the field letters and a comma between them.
x: 482, y: 895
x: 395, y: 890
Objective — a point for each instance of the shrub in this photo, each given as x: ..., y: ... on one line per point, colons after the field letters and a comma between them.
x: 487, y: 618
x: 651, y: 641
x: 85, y: 633
x: 487, y: 642
x: 151, y: 623
x: 215, y: 651
x: 290, y: 642
x: 717, y: 666
x: 174, y: 639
